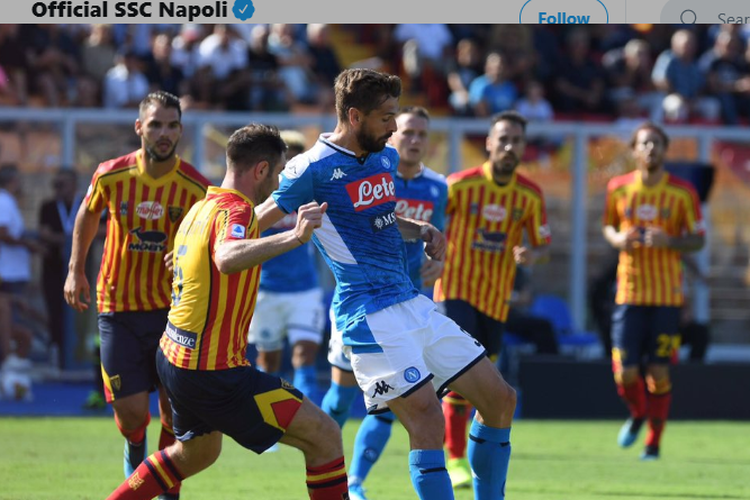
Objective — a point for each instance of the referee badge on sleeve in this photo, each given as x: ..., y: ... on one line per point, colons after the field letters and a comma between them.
x: 238, y: 231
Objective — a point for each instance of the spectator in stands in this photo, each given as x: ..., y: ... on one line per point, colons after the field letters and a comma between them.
x: 125, y: 84
x: 56, y: 221
x: 533, y: 105
x: 15, y: 264
x: 579, y: 82
x: 723, y: 66
x: 492, y: 92
x: 267, y: 92
x: 13, y: 334
x: 185, y: 47
x: 161, y: 73
x: 424, y: 49
x: 325, y: 65
x: 98, y: 54
x: 516, y: 42
x: 677, y: 74
x: 295, y: 63
x: 462, y: 70
x: 13, y: 64
x: 222, y: 75
x: 628, y: 74
x: 54, y: 62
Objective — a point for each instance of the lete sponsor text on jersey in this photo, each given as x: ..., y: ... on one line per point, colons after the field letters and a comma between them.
x: 415, y: 209
x: 371, y: 191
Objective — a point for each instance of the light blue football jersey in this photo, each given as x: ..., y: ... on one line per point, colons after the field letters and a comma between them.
x: 293, y: 271
x: 359, y: 238
x: 423, y: 198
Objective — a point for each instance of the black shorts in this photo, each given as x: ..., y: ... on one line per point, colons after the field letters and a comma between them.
x: 486, y: 330
x: 129, y: 341
x: 649, y: 332
x: 251, y: 407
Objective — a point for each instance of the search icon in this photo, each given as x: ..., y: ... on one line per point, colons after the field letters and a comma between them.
x: 688, y: 17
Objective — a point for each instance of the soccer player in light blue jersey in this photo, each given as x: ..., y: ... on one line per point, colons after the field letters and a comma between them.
x: 290, y: 303
x: 421, y: 194
x: 403, y: 352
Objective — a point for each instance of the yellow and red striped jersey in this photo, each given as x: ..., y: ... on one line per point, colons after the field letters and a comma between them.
x: 211, y: 311
x: 486, y: 221
x: 144, y: 214
x: 646, y: 275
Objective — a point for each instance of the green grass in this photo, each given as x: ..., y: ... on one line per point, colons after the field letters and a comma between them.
x: 80, y: 458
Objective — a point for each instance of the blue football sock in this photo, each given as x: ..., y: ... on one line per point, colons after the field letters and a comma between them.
x: 305, y: 379
x: 489, y: 455
x: 338, y: 402
x: 371, y: 439
x: 428, y: 475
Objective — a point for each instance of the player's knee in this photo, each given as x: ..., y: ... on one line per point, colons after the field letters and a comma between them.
x: 327, y: 439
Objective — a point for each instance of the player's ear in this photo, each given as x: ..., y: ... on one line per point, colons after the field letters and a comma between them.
x: 354, y: 116
x: 262, y: 169
x: 138, y: 126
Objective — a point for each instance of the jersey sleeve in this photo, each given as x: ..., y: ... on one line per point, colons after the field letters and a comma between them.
x: 611, y: 216
x: 693, y: 216
x: 536, y: 224
x: 96, y: 197
x: 295, y: 186
x: 234, y: 223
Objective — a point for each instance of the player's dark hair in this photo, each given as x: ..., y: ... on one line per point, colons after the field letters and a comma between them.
x: 649, y: 126
x: 509, y: 116
x: 160, y: 97
x: 414, y: 110
x: 253, y: 144
x: 363, y: 89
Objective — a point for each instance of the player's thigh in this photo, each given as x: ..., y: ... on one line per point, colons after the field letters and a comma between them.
x: 268, y: 326
x: 421, y: 415
x: 664, y: 337
x: 129, y: 341
x: 629, y: 331
x: 314, y: 432
x: 305, y: 316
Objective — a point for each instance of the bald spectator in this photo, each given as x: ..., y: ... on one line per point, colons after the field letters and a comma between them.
x: 677, y: 74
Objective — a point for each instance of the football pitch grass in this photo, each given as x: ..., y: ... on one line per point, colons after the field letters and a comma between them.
x: 81, y: 458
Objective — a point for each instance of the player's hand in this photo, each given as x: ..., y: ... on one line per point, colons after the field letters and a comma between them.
x: 168, y: 262
x: 309, y: 218
x: 523, y: 256
x: 434, y: 241
x: 76, y: 285
x: 655, y: 237
x: 628, y: 240
x: 431, y: 271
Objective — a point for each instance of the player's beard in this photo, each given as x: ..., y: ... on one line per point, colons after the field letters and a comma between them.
x: 369, y: 143
x: 505, y: 165
x: 155, y: 156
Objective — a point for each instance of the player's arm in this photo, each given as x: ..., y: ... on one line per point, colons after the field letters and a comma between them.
x: 268, y: 214
x: 411, y: 229
x: 84, y: 232
x: 656, y: 237
x: 237, y: 255
x: 525, y: 256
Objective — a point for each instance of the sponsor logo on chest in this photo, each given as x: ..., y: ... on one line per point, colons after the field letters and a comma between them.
x: 149, y: 210
x: 371, y: 191
x: 382, y: 221
x: 494, y: 213
x: 647, y: 212
x: 415, y: 209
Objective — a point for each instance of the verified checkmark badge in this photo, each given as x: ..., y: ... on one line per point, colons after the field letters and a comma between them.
x: 243, y: 9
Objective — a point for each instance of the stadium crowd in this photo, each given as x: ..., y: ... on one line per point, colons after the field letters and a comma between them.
x: 661, y: 72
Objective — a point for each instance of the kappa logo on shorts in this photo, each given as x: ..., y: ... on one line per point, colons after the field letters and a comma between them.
x: 381, y: 388
x: 411, y: 374
x: 286, y: 385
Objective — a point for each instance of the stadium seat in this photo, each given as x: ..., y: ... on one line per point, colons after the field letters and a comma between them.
x: 571, y: 341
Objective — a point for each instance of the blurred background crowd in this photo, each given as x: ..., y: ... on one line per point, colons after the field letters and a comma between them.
x: 595, y: 72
